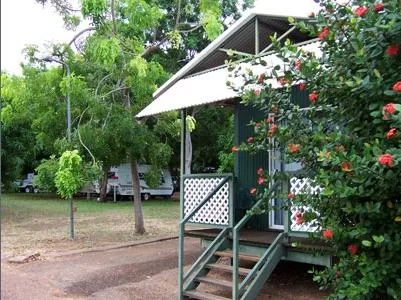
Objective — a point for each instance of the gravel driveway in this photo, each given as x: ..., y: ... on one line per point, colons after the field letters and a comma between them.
x: 145, y: 271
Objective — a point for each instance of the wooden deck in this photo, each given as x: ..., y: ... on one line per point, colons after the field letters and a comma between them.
x: 262, y: 238
x: 247, y: 236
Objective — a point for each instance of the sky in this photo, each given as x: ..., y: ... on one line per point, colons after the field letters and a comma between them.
x: 25, y: 22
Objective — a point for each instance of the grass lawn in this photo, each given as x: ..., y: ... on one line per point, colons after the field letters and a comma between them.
x: 40, y: 222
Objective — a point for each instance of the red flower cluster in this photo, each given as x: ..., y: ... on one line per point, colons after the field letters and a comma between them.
x: 250, y: 140
x: 272, y: 130
x: 313, y: 96
x: 328, y: 234
x: 378, y: 7
x: 294, y: 147
x: 261, y: 180
x: 361, y: 11
x: 252, y: 191
x: 391, y: 133
x: 324, y: 33
x: 302, y: 86
x: 386, y: 160
x: 393, y: 50
x: 259, y: 171
x: 353, y: 249
x: 291, y: 196
x: 397, y: 86
x: 388, y: 109
x: 234, y: 149
x: 346, y: 166
x: 299, y: 218
x: 269, y: 119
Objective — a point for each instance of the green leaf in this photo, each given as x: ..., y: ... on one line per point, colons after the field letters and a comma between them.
x: 378, y: 239
x: 366, y: 243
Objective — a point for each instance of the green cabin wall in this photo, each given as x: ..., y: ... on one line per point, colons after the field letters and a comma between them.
x: 246, y: 164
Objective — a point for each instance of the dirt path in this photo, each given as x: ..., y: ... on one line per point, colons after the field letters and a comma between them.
x: 141, y: 272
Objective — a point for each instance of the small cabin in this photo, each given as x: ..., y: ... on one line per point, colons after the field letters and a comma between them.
x: 217, y: 204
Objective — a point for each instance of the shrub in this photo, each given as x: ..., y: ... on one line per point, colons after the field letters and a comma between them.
x: 349, y: 140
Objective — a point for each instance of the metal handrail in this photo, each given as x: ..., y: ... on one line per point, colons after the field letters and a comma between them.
x: 236, y: 229
x: 261, y: 262
x: 205, y: 252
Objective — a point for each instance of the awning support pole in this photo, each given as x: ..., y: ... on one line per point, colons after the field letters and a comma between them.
x: 256, y: 36
x: 182, y: 216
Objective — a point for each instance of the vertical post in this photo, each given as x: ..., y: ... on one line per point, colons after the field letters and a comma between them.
x: 256, y: 35
x: 72, y: 235
x: 182, y: 216
x: 68, y: 106
x: 235, y: 295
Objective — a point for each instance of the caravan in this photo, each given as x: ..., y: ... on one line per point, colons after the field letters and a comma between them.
x: 120, y: 180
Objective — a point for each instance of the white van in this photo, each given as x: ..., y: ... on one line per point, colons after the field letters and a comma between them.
x: 120, y: 178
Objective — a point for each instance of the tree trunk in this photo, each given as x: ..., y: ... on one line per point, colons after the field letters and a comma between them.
x: 103, y: 186
x: 139, y: 223
x: 188, y: 152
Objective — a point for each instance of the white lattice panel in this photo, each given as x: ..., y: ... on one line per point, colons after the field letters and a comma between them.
x: 216, y: 210
x: 302, y: 186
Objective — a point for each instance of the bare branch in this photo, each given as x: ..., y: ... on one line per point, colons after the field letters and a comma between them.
x: 113, y: 17
x: 79, y: 34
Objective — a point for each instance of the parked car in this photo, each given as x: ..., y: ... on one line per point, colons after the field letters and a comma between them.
x: 27, y: 185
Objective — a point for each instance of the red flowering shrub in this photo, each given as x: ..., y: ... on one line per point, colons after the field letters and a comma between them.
x: 393, y: 50
x: 328, y: 234
x: 294, y: 147
x: 397, y: 86
x: 353, y: 249
x: 349, y: 140
x: 313, y: 96
x: 386, y: 160
x: 361, y: 11
x: 378, y: 7
x: 391, y: 133
x: 324, y: 33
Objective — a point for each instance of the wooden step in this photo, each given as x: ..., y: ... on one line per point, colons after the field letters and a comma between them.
x: 203, y: 295
x: 215, y: 281
x: 228, y: 268
x: 241, y: 256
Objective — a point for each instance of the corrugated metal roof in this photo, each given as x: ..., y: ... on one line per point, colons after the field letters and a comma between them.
x: 209, y: 87
x: 269, y: 10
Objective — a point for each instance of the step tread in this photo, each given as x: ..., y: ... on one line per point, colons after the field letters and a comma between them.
x: 241, y: 255
x: 215, y: 281
x: 203, y: 295
x: 228, y: 268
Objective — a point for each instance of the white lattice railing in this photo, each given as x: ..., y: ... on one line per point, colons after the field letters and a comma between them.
x: 216, y: 211
x: 302, y: 186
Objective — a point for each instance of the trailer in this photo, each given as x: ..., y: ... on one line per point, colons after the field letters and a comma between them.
x: 120, y: 182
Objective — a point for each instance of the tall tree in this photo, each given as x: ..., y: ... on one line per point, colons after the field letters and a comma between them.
x: 115, y: 70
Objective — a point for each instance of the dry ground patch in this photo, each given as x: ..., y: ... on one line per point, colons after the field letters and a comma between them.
x: 40, y: 223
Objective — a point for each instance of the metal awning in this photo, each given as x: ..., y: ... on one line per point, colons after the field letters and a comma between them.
x: 197, y: 90
x: 210, y: 87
